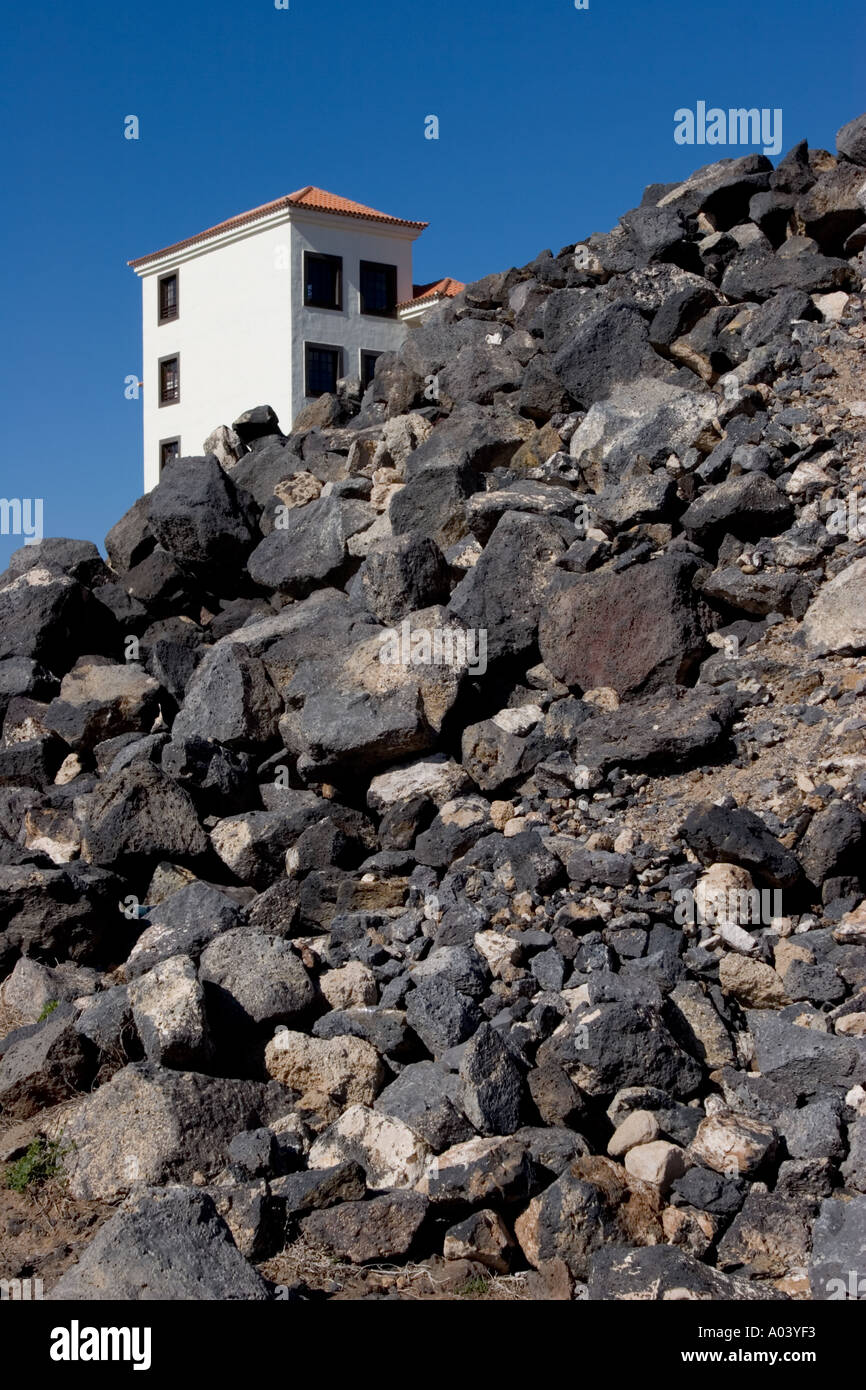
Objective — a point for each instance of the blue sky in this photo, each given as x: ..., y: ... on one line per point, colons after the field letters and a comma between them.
x: 552, y: 121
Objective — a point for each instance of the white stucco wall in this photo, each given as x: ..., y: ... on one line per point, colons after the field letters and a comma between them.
x: 232, y: 334
x: 242, y: 324
x: 347, y: 328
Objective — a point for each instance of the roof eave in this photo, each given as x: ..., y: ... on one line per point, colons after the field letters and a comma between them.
x: 270, y: 210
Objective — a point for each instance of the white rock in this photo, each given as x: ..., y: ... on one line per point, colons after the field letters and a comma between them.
x: 736, y: 938
x: 831, y: 306
x: 518, y: 721
x: 659, y: 1163
x: 732, y: 1144
x: 349, y: 986
x: 498, y: 949
x: 835, y: 620
x: 438, y: 777
x: 640, y: 1127
x: 168, y: 1007
x: 331, y: 1073
x: 391, y: 1154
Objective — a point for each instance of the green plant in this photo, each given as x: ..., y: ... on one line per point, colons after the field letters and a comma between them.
x: 47, y: 1009
x: 474, y: 1288
x: 43, y: 1160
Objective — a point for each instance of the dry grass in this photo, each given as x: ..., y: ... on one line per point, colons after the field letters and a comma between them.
x: 9, y: 1018
x: 310, y: 1264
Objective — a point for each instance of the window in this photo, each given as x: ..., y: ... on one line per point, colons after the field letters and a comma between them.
x: 368, y: 367
x: 169, y: 380
x: 324, y: 368
x: 323, y: 281
x: 168, y: 449
x: 167, y: 290
x: 378, y: 289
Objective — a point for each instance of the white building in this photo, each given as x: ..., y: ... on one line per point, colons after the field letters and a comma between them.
x: 273, y: 306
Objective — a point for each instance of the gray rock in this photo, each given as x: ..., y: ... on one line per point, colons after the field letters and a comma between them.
x: 749, y: 506
x: 257, y: 423
x: 97, y: 702
x: 491, y: 1084
x: 606, y: 1047
x: 720, y: 834
x: 42, y: 616
x: 131, y: 539
x: 481, y: 1171
x: 374, y: 702
x: 440, y: 1015
x: 426, y: 1097
x: 318, y: 1188
x: 253, y: 844
x: 67, y: 913
x: 139, y: 813
x: 456, y: 827
x: 47, y: 1064
x: 253, y: 981
x: 805, y: 1061
x: 584, y: 1209
x: 433, y: 503
x: 383, y: 1228
x: 770, y: 1237
x: 839, y: 1250
x: 834, y: 621
x: 659, y: 1272
x: 664, y: 729
x: 402, y: 574
x: 854, y: 1168
x: 832, y: 843
x: 608, y: 347
x: 309, y: 547
x: 491, y: 755
x: 760, y: 593
x: 230, y: 699
x: 756, y: 274
x: 182, y: 924
x: 487, y: 599
x: 813, y: 1131
x: 645, y: 418
x: 385, y: 1029
x: 200, y: 517
x: 168, y: 1244
x: 150, y: 1124
x: 851, y: 141
x: 634, y: 631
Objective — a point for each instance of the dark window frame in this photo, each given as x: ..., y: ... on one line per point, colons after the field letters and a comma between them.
x: 169, y: 357
x: 365, y: 354
x: 163, y: 445
x: 321, y: 347
x: 337, y: 261
x: 170, y: 317
x: 391, y: 311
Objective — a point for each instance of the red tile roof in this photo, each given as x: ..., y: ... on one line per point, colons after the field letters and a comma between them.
x: 316, y: 199
x: 438, y: 289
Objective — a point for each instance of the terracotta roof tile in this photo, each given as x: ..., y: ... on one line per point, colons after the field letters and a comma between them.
x: 438, y: 289
x: 316, y: 199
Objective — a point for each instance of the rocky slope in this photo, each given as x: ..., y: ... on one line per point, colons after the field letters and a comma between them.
x: 435, y: 838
